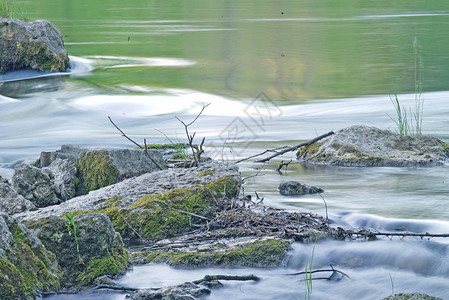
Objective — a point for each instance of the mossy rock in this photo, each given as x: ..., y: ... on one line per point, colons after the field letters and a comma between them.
x: 27, y: 269
x: 160, y: 216
x: 265, y: 253
x: 101, y: 251
x: 411, y: 296
x: 94, y: 171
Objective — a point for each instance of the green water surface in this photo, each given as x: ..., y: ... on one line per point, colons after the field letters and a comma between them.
x: 293, y: 50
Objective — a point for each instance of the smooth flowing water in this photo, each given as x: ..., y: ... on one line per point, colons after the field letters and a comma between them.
x: 276, y: 73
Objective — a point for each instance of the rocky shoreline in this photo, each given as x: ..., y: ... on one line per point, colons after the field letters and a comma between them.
x: 76, y: 213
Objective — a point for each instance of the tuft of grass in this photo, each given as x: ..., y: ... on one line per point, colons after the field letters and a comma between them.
x: 8, y: 10
x: 180, y: 148
x: 411, y: 124
x: 308, y: 275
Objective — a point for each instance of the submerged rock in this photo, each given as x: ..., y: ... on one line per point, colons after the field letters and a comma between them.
x: 185, y: 291
x: 290, y: 188
x: 34, y: 45
x: 411, y: 296
x: 361, y: 145
x: 27, y: 269
x: 96, y: 250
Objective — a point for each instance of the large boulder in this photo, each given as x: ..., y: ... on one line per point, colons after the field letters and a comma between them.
x: 97, y: 168
x: 185, y: 291
x: 86, y: 248
x: 361, y: 145
x: 64, y: 173
x: 10, y: 201
x: 34, y: 45
x: 27, y: 269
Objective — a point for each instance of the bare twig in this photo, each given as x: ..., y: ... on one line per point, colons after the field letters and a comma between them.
x: 294, y: 148
x: 258, y: 171
x: 325, y: 205
x: 129, y: 225
x: 145, y: 150
x: 227, y: 277
x: 196, y: 151
x: 189, y: 213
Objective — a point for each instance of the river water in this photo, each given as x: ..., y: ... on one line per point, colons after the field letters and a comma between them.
x: 275, y: 73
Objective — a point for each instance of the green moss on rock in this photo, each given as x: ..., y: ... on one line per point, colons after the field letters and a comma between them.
x: 205, y: 173
x: 265, y: 253
x: 94, y: 171
x: 159, y: 216
x: 27, y: 269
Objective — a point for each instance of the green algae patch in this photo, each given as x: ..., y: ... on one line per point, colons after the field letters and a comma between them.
x: 205, y: 173
x: 309, y: 151
x: 27, y: 269
x: 94, y: 171
x: 265, y: 253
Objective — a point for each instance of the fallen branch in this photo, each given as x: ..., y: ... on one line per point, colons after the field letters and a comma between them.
x: 227, y: 277
x: 116, y: 288
x: 333, y: 276
x: 145, y: 150
x: 266, y: 151
x: 294, y: 148
x: 371, y: 235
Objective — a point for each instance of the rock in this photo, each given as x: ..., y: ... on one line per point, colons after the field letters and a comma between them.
x: 27, y: 269
x: 361, y: 145
x: 101, y: 250
x: 290, y: 188
x: 411, y: 296
x: 10, y: 201
x: 36, y: 185
x: 185, y: 291
x: 36, y: 45
x: 64, y: 173
x: 97, y: 168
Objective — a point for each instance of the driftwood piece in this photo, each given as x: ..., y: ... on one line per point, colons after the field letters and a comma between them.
x: 294, y: 148
x: 372, y: 235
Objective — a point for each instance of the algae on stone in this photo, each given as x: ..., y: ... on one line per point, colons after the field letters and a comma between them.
x: 264, y: 253
x: 95, y: 171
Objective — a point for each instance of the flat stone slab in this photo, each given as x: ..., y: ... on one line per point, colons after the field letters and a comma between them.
x: 365, y: 146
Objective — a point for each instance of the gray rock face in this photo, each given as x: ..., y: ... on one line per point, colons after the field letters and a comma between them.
x: 360, y: 145
x: 11, y: 202
x: 290, y: 188
x: 185, y: 291
x: 35, y: 185
x: 97, y: 168
x: 37, y: 45
x: 64, y: 173
x: 101, y: 250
